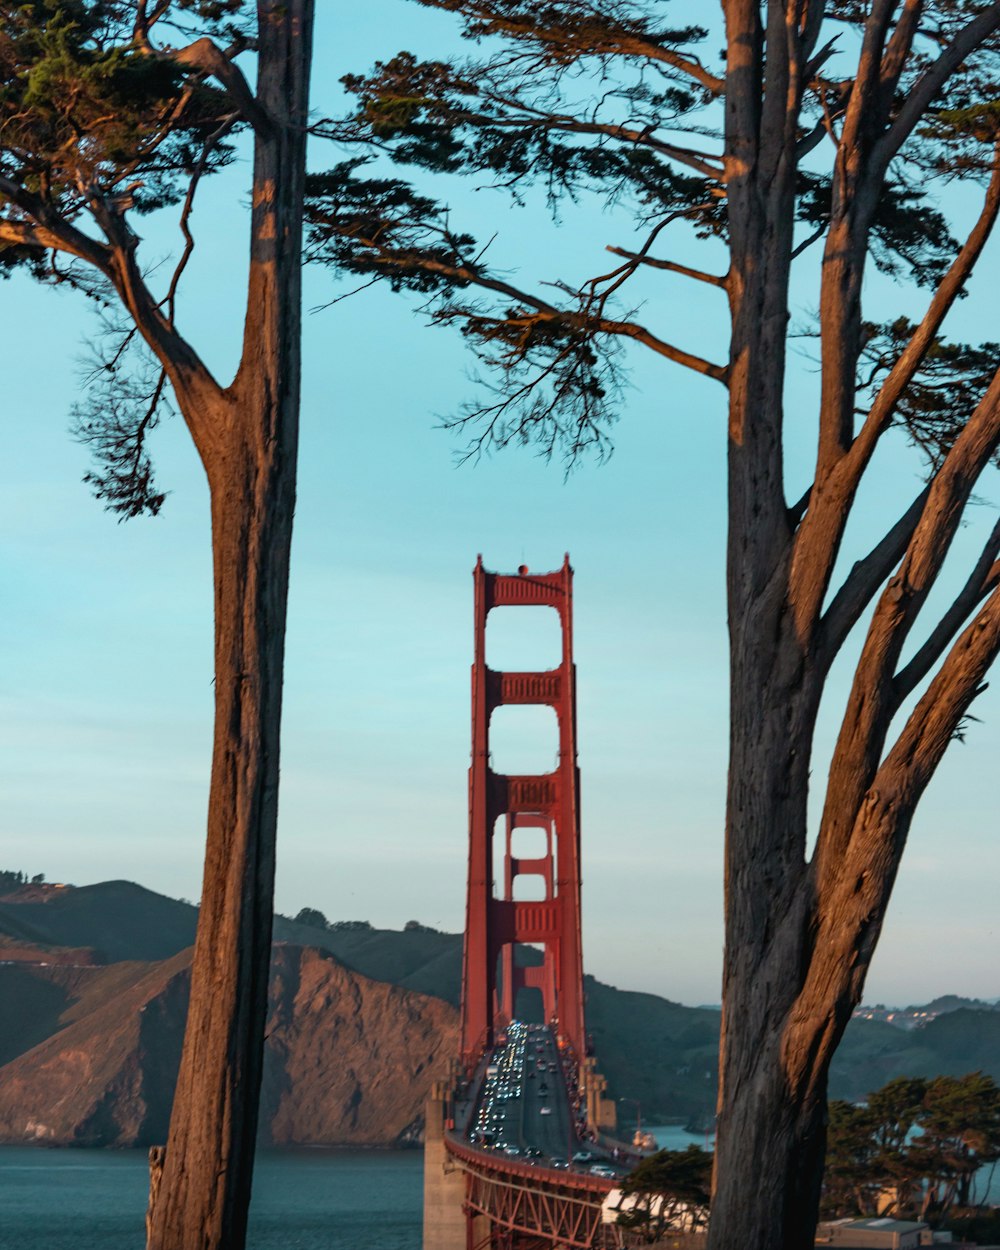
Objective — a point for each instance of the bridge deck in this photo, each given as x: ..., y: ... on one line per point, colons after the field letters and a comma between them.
x: 521, y: 1139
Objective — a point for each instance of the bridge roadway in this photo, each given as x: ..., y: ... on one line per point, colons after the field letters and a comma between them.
x: 530, y: 1179
x: 527, y: 1170
x: 525, y: 1108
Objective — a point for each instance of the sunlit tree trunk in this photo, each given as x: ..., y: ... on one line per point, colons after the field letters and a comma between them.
x: 248, y: 443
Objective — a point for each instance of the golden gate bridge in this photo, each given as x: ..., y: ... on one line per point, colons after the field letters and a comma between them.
x: 519, y: 1149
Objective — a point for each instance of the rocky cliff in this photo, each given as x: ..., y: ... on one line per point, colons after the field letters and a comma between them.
x: 348, y: 1060
x: 361, y: 1021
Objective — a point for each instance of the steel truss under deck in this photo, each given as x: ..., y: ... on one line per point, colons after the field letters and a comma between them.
x: 532, y: 1209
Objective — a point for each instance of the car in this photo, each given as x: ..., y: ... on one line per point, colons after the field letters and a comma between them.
x: 601, y: 1169
x: 532, y: 1152
x: 558, y: 1162
x: 545, y: 1111
x: 512, y: 1150
x: 582, y: 1156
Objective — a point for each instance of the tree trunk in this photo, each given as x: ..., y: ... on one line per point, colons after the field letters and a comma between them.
x: 771, y: 1110
x: 250, y: 460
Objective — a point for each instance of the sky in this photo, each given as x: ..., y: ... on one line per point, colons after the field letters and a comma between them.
x: 106, y: 638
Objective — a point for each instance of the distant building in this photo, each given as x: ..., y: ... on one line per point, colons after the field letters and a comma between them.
x: 878, y: 1233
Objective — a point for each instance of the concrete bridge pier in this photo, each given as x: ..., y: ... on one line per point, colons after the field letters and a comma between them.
x: 447, y: 1226
x: 601, y: 1111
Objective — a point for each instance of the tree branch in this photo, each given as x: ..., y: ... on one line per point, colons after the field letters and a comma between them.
x: 186, y: 211
x: 196, y: 389
x: 465, y: 274
x: 936, y: 719
x: 872, y: 704
x: 899, y: 46
x: 698, y: 274
x: 593, y: 41
x: 984, y: 578
x: 629, y: 329
x: 910, y: 360
x: 700, y: 162
x: 920, y: 95
x: 207, y: 58
x: 863, y: 581
x: 48, y: 230
x: 819, y: 537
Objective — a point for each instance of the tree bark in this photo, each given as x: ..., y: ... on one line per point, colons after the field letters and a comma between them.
x: 250, y: 460
x: 770, y: 1139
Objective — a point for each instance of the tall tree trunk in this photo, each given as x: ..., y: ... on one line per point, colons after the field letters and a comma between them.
x: 250, y: 460
x: 769, y: 1111
x: 774, y: 685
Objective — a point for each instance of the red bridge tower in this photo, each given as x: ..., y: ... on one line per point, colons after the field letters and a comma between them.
x: 548, y: 801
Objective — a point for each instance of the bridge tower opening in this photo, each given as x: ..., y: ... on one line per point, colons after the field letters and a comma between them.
x: 496, y: 921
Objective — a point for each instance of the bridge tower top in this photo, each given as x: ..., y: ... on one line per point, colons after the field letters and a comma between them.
x: 499, y: 804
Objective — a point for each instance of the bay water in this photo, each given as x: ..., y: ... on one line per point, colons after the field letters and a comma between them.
x: 302, y: 1199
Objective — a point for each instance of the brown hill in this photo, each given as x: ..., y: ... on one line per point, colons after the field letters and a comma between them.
x: 105, y: 1076
x: 650, y: 1049
x: 349, y: 1060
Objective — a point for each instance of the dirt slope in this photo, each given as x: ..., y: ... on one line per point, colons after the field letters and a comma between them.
x: 349, y: 1060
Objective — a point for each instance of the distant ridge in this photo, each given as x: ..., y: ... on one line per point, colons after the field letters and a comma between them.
x: 363, y: 1019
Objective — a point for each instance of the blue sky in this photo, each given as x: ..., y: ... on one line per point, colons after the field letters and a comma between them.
x: 106, y: 629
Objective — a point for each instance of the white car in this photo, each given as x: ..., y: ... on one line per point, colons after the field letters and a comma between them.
x: 545, y: 1111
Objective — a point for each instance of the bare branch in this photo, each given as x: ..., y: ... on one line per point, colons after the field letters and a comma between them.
x: 871, y: 704
x: 188, y: 207
x: 192, y: 381
x: 629, y: 329
x: 808, y: 241
x: 984, y: 578
x: 862, y: 111
x: 937, y: 718
x: 899, y: 46
x: 864, y: 580
x: 654, y: 263
x: 820, y: 58
x: 812, y: 139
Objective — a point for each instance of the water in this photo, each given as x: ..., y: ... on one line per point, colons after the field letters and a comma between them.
x: 302, y: 1200
x: 673, y: 1137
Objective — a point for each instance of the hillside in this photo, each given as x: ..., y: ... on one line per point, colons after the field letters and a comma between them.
x: 348, y: 1060
x: 115, y: 919
x: 360, y: 1016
